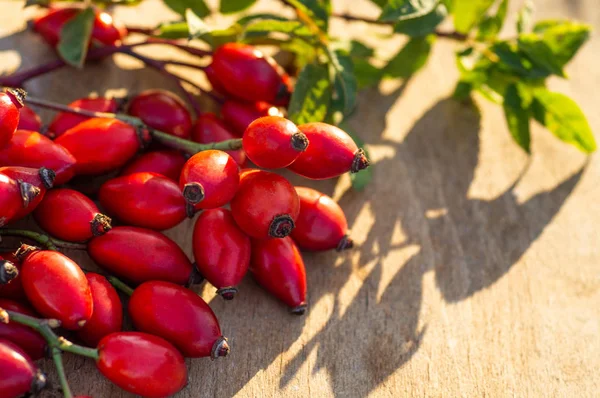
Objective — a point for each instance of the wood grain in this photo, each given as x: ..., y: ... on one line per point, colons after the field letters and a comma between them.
x: 477, y: 271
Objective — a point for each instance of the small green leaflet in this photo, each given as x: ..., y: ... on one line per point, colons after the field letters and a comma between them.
x: 344, y: 82
x: 75, y: 38
x: 412, y: 57
x: 253, y: 17
x: 263, y: 27
x: 199, y: 7
x: 401, y: 10
x: 233, y: 6
x: 491, y: 25
x: 564, y: 38
x: 540, y: 53
x: 423, y: 25
x: 197, y: 27
x: 524, y: 18
x: 312, y: 95
x: 562, y: 116
x: 175, y: 30
x: 468, y: 13
x: 517, y: 113
x: 316, y: 10
x: 361, y: 179
x: 366, y: 74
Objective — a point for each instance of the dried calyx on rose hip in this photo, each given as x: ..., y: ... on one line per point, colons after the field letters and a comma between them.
x: 19, y: 374
x: 13, y: 289
x: 8, y: 271
x: 162, y: 110
x: 64, y: 121
x: 11, y: 100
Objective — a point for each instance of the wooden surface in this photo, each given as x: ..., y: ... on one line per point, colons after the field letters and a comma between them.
x: 477, y: 271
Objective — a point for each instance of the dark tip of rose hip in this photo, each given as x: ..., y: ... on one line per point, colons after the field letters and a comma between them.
x: 121, y: 103
x: 195, y: 276
x: 299, y: 141
x: 281, y: 226
x: 28, y: 192
x: 360, y: 161
x: 228, y: 293
x: 47, y: 176
x: 24, y: 250
x: 193, y: 192
x: 190, y: 210
x: 283, y: 93
x: 8, y: 272
x: 38, y: 383
x: 345, y: 243
x: 144, y: 137
x: 299, y: 309
x: 100, y: 224
x: 220, y: 348
x: 17, y: 96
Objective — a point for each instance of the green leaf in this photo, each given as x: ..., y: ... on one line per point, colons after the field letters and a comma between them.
x: 264, y: 27
x: 524, y: 18
x: 345, y: 83
x: 253, y: 17
x: 423, y: 25
x: 357, y: 49
x: 564, y: 38
x: 491, y: 25
x: 518, y: 113
x: 540, y: 53
x: 366, y: 74
x: 232, y: 6
x: 197, y: 27
x: 468, y: 13
x: 312, y: 95
x: 514, y: 60
x: 175, y: 30
x: 75, y: 38
x: 401, y: 10
x: 563, y: 117
x: 412, y: 57
x: 380, y: 3
x: 361, y: 179
x: 317, y: 10
x: 462, y: 91
x: 199, y: 7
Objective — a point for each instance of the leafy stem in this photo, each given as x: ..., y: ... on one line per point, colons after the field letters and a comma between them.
x: 42, y: 239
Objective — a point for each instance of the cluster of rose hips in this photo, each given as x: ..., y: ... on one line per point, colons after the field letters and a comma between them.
x: 267, y: 221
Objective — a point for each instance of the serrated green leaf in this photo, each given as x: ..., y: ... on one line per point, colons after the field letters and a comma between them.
x: 524, y: 18
x: 233, y: 6
x: 312, y: 95
x: 361, y: 179
x: 540, y: 53
x: 317, y: 10
x: 423, y: 25
x: 199, y: 7
x: 197, y: 27
x: 175, y: 30
x: 75, y: 38
x: 412, y: 57
x: 468, y: 13
x: 345, y: 84
x: 517, y: 114
x: 563, y: 117
x: 264, y: 27
x: 491, y: 25
x: 402, y: 10
x: 564, y: 38
x: 366, y: 74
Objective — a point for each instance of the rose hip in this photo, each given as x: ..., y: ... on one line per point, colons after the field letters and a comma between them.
x: 15, y: 196
x: 71, y: 216
x: 107, y: 317
x: 209, y: 179
x: 168, y: 163
x: 19, y: 374
x: 187, y: 321
x: 31, y: 149
x: 321, y: 224
x: 140, y: 255
x: 102, y: 145
x: 56, y: 286
x: 273, y: 142
x: 10, y: 102
x: 106, y: 30
x: 277, y: 266
x: 142, y: 364
x: 209, y: 128
x: 29, y: 120
x: 238, y: 115
x: 331, y: 152
x: 26, y: 338
x: 266, y: 205
x: 12, y: 290
x: 221, y: 250
x: 64, y: 121
x: 163, y: 111
x: 213, y: 79
x: 146, y: 200
x: 42, y: 179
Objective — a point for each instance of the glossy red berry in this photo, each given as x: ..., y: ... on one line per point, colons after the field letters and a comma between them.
x: 19, y: 374
x: 55, y: 286
x: 331, y: 152
x: 168, y: 163
x: 163, y: 111
x: 64, y: 121
x: 107, y: 317
x: 213, y: 79
x: 273, y: 142
x: 71, y: 216
x: 107, y: 31
x: 277, y: 266
x: 146, y: 200
x: 221, y: 250
x: 29, y: 120
x: 31, y: 149
x: 187, y: 321
x: 12, y: 289
x: 321, y: 224
x: 248, y: 74
x: 209, y: 179
x: 42, y: 179
x: 266, y: 205
x: 102, y: 145
x: 139, y: 255
x: 238, y: 115
x: 26, y: 338
x: 209, y: 128
x: 15, y: 196
x: 10, y: 102
x: 142, y: 364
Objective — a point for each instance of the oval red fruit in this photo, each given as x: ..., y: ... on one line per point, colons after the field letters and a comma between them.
x: 15, y: 197
x: 24, y: 337
x: 213, y: 79
x: 140, y: 255
x: 142, y: 364
x: 71, y: 216
x: 238, y: 115
x: 221, y: 250
x: 266, y: 205
x: 187, y: 322
x: 107, y: 317
x: 168, y: 163
x: 10, y: 102
x: 12, y: 290
x: 19, y: 374
x: 209, y: 179
x: 64, y: 121
x: 29, y: 120
x: 273, y: 142
x: 102, y: 145
x: 331, y: 152
x: 277, y: 266
x: 56, y: 286
x: 163, y: 111
x: 209, y: 128
x: 146, y: 200
x: 42, y: 179
x: 107, y: 30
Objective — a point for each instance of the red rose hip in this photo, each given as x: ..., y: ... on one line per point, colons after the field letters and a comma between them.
x: 187, y: 322
x: 10, y: 102
x: 64, y: 121
x: 162, y: 110
x: 29, y: 120
x: 209, y: 128
x: 15, y: 197
x: 221, y: 250
x: 19, y: 374
x: 238, y: 115
x: 42, y: 179
x: 168, y: 163
x: 24, y: 337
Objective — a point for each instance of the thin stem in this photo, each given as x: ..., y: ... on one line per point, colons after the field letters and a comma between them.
x: 44, y: 240
x: 186, y: 64
x: 120, y: 285
x: 184, y: 47
x: 60, y: 369
x: 140, y: 29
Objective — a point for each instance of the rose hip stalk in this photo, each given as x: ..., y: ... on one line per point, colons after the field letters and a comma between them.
x: 29, y: 120
x: 19, y: 374
x: 221, y: 250
x: 15, y: 196
x: 24, y: 337
x: 209, y: 128
x: 169, y: 163
x: 10, y: 102
x: 238, y: 115
x: 162, y: 110
x: 42, y: 179
x: 64, y: 121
